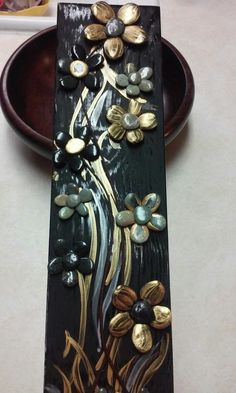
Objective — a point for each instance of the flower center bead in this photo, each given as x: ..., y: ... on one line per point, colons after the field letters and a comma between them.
x: 115, y: 27
x: 130, y: 121
x: 142, y: 214
x: 78, y: 69
x: 142, y: 312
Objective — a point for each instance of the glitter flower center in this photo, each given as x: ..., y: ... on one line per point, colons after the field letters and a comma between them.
x: 130, y: 121
x: 114, y: 27
x: 79, y: 69
x: 142, y: 312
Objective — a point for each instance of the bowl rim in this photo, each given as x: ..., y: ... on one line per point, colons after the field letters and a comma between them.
x: 172, y: 127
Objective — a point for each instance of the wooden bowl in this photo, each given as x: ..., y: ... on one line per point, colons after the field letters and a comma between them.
x: 27, y: 90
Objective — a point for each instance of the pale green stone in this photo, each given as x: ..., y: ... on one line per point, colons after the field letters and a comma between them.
x: 142, y: 214
x: 73, y: 200
x: 130, y: 121
x: 125, y: 218
x: 146, y: 86
x: 152, y: 200
x: 65, y: 213
x: 139, y: 234
x: 158, y: 221
x: 135, y: 78
x: 86, y: 195
x: 146, y: 72
x: 82, y: 210
x: 131, y: 201
x: 132, y: 90
x: 61, y: 200
x: 122, y: 80
x: 130, y: 67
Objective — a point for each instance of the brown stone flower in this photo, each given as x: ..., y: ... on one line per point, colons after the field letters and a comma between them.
x: 140, y: 314
x: 115, y: 28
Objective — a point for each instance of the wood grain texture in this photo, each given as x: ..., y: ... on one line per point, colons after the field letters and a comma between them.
x: 139, y: 169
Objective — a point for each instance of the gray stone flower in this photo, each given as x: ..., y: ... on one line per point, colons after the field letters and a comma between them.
x: 134, y: 80
x: 142, y: 216
x: 73, y: 201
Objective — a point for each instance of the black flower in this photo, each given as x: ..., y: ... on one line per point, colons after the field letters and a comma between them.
x: 80, y: 67
x: 70, y: 262
x: 73, y: 151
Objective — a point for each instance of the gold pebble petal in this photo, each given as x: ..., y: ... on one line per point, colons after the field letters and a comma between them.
x: 114, y: 48
x: 162, y: 317
x: 135, y: 136
x: 135, y: 107
x: 142, y: 338
x: 60, y: 200
x: 95, y: 32
x: 134, y: 35
x: 120, y: 324
x: 148, y: 121
x: 102, y: 11
x: 116, y: 132
x: 155, y: 197
x: 115, y: 114
x: 75, y: 146
x: 153, y: 292
x: 78, y: 69
x: 124, y: 298
x: 129, y: 13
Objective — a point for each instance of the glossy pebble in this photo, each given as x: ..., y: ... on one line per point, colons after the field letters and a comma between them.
x: 146, y: 72
x: 132, y: 90
x: 142, y: 214
x: 55, y: 266
x: 75, y: 146
x: 70, y: 261
x: 76, y: 163
x: 86, y: 266
x: 131, y: 201
x: 60, y: 247
x: 60, y: 200
x: 73, y: 200
x: 86, y: 195
x: 70, y: 279
x: 139, y: 234
x: 78, y: 52
x: 81, y: 248
x: 91, y: 152
x: 142, y: 312
x: 122, y: 80
x: 72, y: 188
x: 82, y: 210
x: 65, y: 213
x: 146, y: 86
x: 135, y: 78
x: 158, y: 221
x: 62, y: 138
x: 59, y: 158
x: 130, y: 121
x: 68, y: 82
x: 79, y: 69
x: 125, y: 218
x: 63, y: 65
x: 95, y: 61
x: 114, y: 27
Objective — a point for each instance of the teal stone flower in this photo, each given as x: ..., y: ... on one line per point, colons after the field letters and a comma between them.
x: 135, y: 80
x: 142, y: 216
x: 73, y: 201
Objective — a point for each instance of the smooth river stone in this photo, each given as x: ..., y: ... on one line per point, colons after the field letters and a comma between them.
x: 86, y: 195
x: 125, y: 218
x: 70, y: 261
x: 61, y: 247
x: 86, y: 266
x: 130, y: 121
x: 139, y: 234
x: 129, y: 68
x: 132, y: 201
x: 158, y: 221
x: 65, y: 213
x: 72, y: 188
x: 55, y: 266
x: 82, y: 210
x: 70, y: 279
x: 146, y: 86
x: 135, y: 78
x: 60, y: 200
x: 73, y: 200
x: 114, y: 27
x: 122, y: 80
x: 146, y: 72
x: 142, y: 312
x: 81, y: 248
x: 62, y: 138
x: 142, y: 215
x: 132, y: 90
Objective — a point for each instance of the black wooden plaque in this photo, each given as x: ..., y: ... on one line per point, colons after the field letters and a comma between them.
x: 81, y: 354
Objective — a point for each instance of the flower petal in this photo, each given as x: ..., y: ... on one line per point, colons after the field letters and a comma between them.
x: 116, y: 132
x: 92, y: 82
x: 78, y: 52
x: 162, y: 317
x: 114, y: 48
x: 148, y: 121
x: 157, y: 222
x: 68, y: 82
x: 142, y: 337
x: 135, y: 136
x: 86, y: 195
x: 82, y: 132
x: 95, y: 61
x: 65, y: 213
x: 132, y: 201
x: 153, y: 292
x: 70, y: 278
x: 76, y: 164
x: 152, y: 201
x: 63, y: 66
x: 102, y: 11
x: 139, y: 233
x: 120, y: 324
x: 59, y: 158
x: 75, y: 146
x: 82, y: 210
x: 134, y: 35
x: 115, y: 114
x: 55, y: 266
x: 60, y: 200
x: 95, y: 32
x: 125, y: 218
x: 134, y: 107
x: 91, y: 152
x: 129, y: 13
x: 124, y: 298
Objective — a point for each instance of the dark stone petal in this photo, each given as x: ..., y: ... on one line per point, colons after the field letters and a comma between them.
x: 70, y: 261
x: 114, y: 27
x: 91, y: 152
x: 76, y: 164
x: 59, y: 158
x: 92, y: 82
x: 61, y: 247
x: 68, y: 82
x: 82, y: 132
x: 142, y: 312
x: 70, y: 279
x: 62, y: 138
x: 81, y: 248
x: 72, y: 189
x: 95, y: 61
x: 63, y: 66
x: 55, y: 266
x: 78, y: 52
x: 86, y: 266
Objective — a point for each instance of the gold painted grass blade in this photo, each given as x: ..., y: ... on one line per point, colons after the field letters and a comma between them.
x: 66, y: 382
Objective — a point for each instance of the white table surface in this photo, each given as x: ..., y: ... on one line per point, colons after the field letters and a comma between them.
x: 201, y: 166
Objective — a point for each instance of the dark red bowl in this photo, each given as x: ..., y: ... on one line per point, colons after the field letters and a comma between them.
x: 27, y: 90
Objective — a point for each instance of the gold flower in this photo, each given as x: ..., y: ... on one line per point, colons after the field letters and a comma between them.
x: 114, y: 28
x: 140, y: 314
x: 131, y: 123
